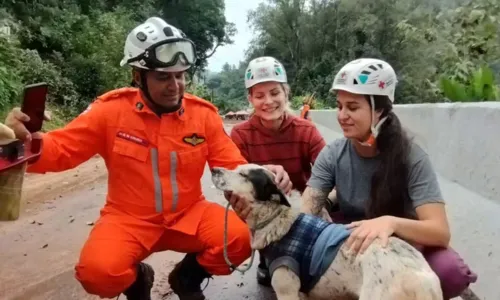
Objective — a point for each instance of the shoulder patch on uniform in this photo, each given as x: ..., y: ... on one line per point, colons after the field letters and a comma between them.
x: 117, y: 93
x: 198, y: 100
x: 193, y: 139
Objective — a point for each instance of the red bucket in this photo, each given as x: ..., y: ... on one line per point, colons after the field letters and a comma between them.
x: 14, y: 158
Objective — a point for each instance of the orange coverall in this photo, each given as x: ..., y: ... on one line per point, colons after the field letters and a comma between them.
x: 154, y: 201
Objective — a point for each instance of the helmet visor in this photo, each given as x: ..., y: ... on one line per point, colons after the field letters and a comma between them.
x: 168, y: 53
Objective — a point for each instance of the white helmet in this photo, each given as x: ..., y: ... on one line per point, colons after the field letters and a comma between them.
x: 367, y: 76
x: 157, y: 45
x: 264, y: 69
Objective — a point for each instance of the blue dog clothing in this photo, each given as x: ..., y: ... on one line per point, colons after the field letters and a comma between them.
x: 307, y: 249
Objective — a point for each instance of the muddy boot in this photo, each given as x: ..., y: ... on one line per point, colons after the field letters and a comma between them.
x: 141, y: 288
x: 263, y: 276
x: 186, y: 278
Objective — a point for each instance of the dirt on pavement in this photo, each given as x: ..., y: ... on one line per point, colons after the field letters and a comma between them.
x: 39, y: 250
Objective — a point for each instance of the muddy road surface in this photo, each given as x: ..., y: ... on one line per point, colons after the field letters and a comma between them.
x: 38, y: 252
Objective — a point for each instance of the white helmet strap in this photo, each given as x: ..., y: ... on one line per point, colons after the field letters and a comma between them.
x: 375, y: 127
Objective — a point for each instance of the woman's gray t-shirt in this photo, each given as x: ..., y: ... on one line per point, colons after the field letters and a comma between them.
x: 338, y: 165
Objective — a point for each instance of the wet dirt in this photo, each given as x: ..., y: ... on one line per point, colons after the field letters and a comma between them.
x: 39, y: 250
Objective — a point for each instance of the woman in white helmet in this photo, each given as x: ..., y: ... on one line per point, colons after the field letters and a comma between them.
x: 274, y: 135
x: 385, y: 183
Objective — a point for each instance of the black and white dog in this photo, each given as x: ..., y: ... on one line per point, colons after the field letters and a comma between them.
x: 306, y: 256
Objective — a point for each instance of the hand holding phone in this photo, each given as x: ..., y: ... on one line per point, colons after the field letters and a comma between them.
x: 35, y: 96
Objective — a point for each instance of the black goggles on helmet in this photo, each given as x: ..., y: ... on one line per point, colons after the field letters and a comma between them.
x: 167, y: 53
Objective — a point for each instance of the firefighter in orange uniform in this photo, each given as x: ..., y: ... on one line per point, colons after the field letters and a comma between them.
x: 155, y: 140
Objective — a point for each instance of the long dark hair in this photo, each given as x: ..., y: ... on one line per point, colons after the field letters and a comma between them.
x: 389, y: 188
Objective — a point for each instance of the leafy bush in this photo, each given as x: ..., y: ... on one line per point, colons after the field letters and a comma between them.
x: 76, y: 46
x: 10, y: 81
x: 480, y: 86
x: 33, y: 69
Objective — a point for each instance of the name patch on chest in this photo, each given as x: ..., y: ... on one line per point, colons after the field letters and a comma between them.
x: 132, y: 138
x: 193, y: 139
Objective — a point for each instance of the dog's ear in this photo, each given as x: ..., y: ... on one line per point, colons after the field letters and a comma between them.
x: 283, y: 199
x: 265, y: 188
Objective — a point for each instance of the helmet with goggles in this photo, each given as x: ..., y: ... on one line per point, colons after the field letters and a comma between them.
x: 157, y: 45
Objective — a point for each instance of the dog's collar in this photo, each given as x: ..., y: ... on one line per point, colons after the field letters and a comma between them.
x: 269, y: 220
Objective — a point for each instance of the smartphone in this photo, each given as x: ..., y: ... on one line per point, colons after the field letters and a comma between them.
x: 35, y: 96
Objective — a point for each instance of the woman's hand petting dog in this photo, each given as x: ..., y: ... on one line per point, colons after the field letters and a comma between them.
x: 366, y: 231
x: 241, y: 206
x: 15, y: 120
x: 281, y: 178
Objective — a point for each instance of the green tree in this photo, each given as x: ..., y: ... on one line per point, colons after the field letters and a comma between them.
x: 422, y: 40
x: 76, y: 45
x: 203, y: 21
x: 227, y: 88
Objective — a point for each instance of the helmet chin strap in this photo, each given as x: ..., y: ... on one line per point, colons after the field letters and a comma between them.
x: 375, y: 127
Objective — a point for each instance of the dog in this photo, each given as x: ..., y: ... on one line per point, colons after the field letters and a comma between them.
x: 395, y: 272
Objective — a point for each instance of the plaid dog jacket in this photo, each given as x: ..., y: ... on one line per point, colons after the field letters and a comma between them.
x: 303, y: 242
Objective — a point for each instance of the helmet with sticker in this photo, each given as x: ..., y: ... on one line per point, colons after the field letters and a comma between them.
x: 264, y: 69
x: 367, y: 76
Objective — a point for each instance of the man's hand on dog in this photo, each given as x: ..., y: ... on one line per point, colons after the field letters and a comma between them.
x: 366, y: 231
x: 241, y: 206
x: 15, y: 121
